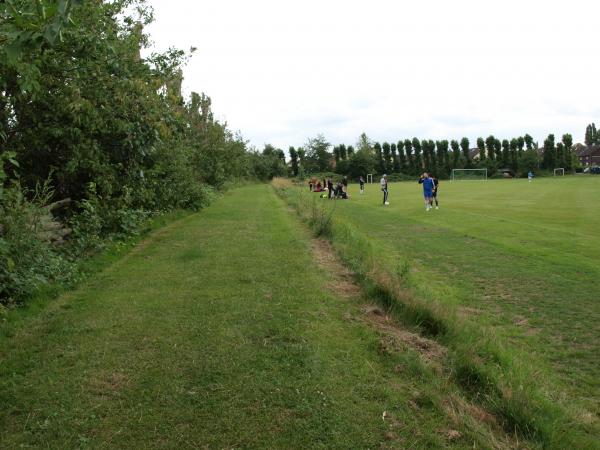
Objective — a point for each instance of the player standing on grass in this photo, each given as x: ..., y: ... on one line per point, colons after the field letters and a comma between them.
x: 384, y: 189
x: 427, y: 189
x: 361, y: 181
x: 530, y: 176
x: 436, y: 183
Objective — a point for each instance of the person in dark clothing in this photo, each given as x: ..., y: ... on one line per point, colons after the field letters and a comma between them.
x: 436, y: 183
x: 361, y: 181
x: 330, y: 187
x: 345, y: 183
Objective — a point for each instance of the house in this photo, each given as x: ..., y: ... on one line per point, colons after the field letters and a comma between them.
x: 590, y: 156
x: 475, y: 154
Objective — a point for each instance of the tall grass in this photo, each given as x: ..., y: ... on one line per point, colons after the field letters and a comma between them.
x: 497, y: 377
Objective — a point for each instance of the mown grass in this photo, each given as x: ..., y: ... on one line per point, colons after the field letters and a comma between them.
x: 492, y: 274
x: 220, y: 332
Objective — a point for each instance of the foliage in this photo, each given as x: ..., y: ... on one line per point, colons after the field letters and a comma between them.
x: 110, y: 130
x: 317, y: 157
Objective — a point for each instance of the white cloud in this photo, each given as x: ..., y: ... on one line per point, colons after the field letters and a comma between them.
x: 282, y: 71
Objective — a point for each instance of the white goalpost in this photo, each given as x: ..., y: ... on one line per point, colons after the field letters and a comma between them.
x: 469, y: 175
x: 560, y: 172
x: 369, y: 178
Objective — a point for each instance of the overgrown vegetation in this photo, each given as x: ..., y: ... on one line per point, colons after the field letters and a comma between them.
x: 105, y: 130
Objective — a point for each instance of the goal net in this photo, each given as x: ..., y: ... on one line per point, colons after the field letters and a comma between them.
x: 560, y: 172
x: 469, y: 175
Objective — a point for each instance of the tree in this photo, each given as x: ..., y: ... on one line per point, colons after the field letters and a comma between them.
x: 395, y: 158
x: 410, y: 158
x: 361, y: 163
x: 349, y: 151
x: 379, y: 158
x: 567, y: 141
x: 589, y: 140
x: 529, y: 161
x: 490, y: 145
x: 301, y: 156
x: 505, y: 155
x: 294, y: 159
x: 549, y: 157
x: 520, y: 145
x: 386, y: 157
x: 336, y: 154
x: 443, y: 159
x: 426, y: 154
x: 364, y: 144
x: 528, y: 141
x: 317, y: 154
x: 401, y: 163
x: 560, y: 155
x: 481, y: 148
x: 498, y: 150
x: 455, y: 146
x: 513, y: 158
x: 464, y: 145
x: 343, y: 152
x: 418, y: 160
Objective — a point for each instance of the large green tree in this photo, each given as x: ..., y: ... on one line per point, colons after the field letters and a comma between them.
x: 318, y: 157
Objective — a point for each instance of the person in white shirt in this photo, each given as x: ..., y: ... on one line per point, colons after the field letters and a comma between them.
x: 384, y: 189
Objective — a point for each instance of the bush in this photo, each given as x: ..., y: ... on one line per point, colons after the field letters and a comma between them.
x: 27, y: 261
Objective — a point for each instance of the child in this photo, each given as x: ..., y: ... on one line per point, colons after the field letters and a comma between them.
x: 530, y: 176
x: 361, y: 181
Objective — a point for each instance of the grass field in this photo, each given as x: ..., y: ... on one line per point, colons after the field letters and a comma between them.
x: 520, y: 258
x: 220, y: 331
x: 235, y: 328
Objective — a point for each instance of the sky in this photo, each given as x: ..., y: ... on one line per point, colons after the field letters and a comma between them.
x: 283, y: 71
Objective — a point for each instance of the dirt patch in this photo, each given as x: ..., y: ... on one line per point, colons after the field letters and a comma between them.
x: 343, y: 283
x: 395, y: 338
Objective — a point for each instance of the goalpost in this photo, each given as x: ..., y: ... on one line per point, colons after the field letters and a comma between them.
x: 559, y: 172
x: 369, y: 178
x: 469, y: 175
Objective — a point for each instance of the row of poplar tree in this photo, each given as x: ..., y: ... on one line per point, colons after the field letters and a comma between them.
x: 413, y: 156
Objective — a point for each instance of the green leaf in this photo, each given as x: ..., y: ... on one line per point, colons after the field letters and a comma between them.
x: 10, y: 264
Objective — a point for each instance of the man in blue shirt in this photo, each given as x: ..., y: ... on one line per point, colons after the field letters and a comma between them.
x: 428, y: 187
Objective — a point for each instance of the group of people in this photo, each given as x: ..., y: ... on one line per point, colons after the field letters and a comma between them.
x: 331, y: 190
x: 328, y: 189
x: 430, y: 190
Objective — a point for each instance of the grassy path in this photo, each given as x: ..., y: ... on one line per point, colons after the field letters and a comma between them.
x: 219, y: 332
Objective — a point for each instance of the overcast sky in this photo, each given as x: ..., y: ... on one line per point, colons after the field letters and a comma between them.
x: 283, y: 71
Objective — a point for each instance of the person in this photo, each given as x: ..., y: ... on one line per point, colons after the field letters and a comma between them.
x: 427, y: 189
x: 345, y: 183
x: 436, y: 183
x: 330, y: 187
x: 530, y: 176
x: 361, y: 181
x: 339, y: 190
x: 384, y: 188
x: 319, y: 187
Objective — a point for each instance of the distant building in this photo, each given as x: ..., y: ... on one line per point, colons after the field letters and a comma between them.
x: 475, y: 154
x: 589, y: 155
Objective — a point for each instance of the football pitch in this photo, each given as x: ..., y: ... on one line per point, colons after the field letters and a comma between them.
x: 520, y: 258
